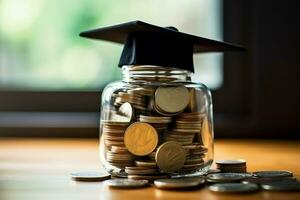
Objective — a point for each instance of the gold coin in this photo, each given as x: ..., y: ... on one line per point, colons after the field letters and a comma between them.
x: 140, y: 138
x: 170, y: 156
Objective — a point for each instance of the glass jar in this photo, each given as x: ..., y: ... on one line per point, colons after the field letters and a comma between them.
x: 156, y: 122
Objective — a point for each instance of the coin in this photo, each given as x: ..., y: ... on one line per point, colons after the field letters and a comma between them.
x: 171, y: 99
x: 170, y: 156
x: 119, y: 118
x: 193, y: 166
x: 231, y: 162
x: 90, y: 176
x: 145, y: 164
x: 235, y: 166
x: 149, y: 177
x: 118, y: 156
x: 226, y: 177
x: 259, y: 180
x: 234, y: 187
x: 282, y: 186
x: 140, y: 170
x: 118, y: 149
x: 195, y: 146
x: 267, y: 174
x: 137, y: 101
x: 194, y: 116
x: 126, y: 110
x: 126, y: 183
x: 154, y: 119
x: 213, y: 171
x: 140, y: 138
x: 142, y: 91
x: 179, y: 183
x: 112, y: 123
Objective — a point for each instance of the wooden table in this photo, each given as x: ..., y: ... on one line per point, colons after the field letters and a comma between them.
x: 39, y: 169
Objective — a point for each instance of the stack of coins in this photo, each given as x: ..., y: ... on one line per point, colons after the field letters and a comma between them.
x: 136, y: 100
x: 113, y: 135
x: 134, y: 70
x: 186, y: 126
x: 140, y: 170
x: 195, y: 153
x: 143, y: 91
x: 160, y: 123
x: 234, y: 166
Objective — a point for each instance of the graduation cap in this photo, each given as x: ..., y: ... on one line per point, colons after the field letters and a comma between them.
x: 147, y: 44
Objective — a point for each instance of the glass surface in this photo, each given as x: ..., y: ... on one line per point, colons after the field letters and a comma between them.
x: 144, y: 112
x: 40, y: 47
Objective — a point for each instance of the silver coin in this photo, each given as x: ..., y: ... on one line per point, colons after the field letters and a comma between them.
x: 233, y: 187
x: 126, y: 110
x: 231, y: 162
x: 126, y: 183
x: 259, y: 180
x: 268, y: 174
x: 213, y: 171
x: 171, y: 99
x: 179, y: 183
x: 226, y: 177
x: 282, y: 186
x: 90, y: 176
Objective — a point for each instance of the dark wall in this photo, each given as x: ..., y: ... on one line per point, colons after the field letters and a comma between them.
x: 267, y: 77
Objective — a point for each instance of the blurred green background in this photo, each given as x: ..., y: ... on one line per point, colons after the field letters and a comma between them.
x: 40, y: 48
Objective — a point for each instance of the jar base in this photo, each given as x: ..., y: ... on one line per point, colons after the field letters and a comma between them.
x: 202, y: 171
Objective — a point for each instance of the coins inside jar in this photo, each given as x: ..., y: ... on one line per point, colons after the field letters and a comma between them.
x: 140, y: 138
x: 171, y: 99
x: 170, y: 157
x: 151, y: 132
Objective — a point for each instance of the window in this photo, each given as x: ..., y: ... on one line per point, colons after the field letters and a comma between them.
x: 40, y: 48
x: 51, y: 79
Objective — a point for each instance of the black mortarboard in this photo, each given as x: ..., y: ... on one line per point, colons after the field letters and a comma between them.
x: 147, y: 44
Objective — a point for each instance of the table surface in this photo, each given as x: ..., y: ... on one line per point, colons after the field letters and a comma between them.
x: 40, y: 168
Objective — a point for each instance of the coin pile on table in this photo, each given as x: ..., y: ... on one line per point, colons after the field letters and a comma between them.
x: 179, y: 183
x: 234, y: 187
x: 235, y: 166
x: 154, y: 134
x: 219, y: 182
x: 252, y: 182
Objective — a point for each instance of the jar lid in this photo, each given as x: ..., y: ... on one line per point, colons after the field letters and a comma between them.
x: 147, y: 44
